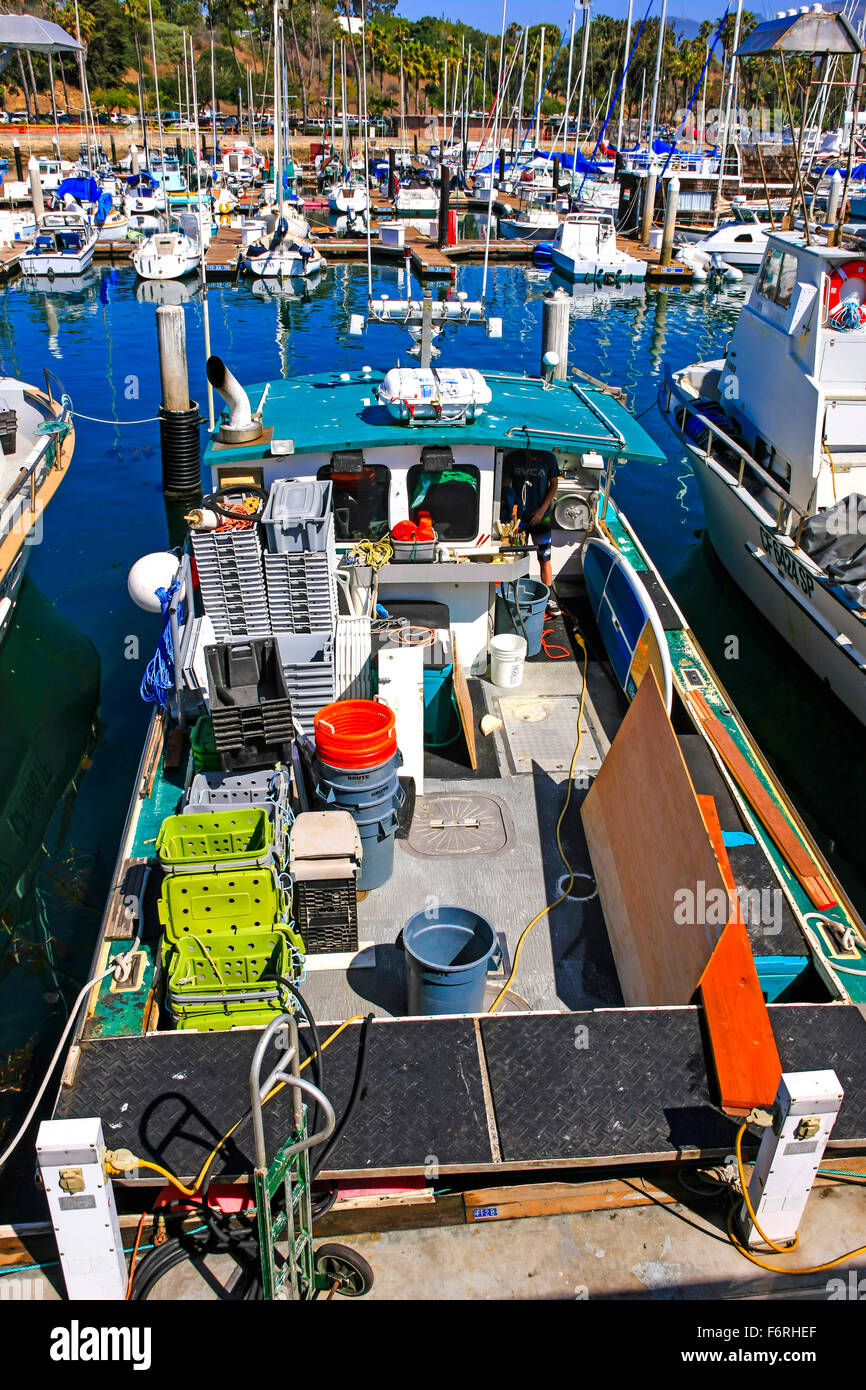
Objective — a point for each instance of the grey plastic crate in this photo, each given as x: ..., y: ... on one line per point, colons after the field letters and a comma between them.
x: 231, y: 578
x: 298, y: 515
x: 301, y: 592
x: 307, y: 661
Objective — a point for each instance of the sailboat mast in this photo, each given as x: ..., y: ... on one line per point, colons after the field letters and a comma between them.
x: 655, y: 95
x: 625, y: 58
x: 156, y: 88
x: 278, y: 124
x: 583, y: 62
x: 540, y: 81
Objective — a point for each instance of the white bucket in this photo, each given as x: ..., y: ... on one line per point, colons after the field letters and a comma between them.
x: 507, y: 655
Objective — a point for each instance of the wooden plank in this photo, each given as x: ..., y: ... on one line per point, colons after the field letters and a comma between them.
x: 559, y: 1198
x: 769, y: 812
x: 464, y: 704
x: 663, y: 895
x: 745, y: 1056
x: 119, y: 926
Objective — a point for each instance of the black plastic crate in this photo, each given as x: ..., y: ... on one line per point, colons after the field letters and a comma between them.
x: 326, y: 914
x: 250, y: 704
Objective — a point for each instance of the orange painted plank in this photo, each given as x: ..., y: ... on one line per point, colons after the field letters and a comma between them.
x: 745, y: 1055
x: 796, y: 854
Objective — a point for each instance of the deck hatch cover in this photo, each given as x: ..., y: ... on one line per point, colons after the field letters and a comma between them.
x: 541, y: 730
x: 448, y: 826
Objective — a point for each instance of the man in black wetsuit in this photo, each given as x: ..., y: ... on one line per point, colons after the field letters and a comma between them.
x: 529, y: 483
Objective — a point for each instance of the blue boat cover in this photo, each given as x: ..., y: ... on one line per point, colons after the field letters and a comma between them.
x: 82, y: 190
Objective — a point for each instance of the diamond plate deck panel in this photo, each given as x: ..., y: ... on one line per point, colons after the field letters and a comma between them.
x: 540, y: 733
x: 635, y: 1082
x: 171, y: 1096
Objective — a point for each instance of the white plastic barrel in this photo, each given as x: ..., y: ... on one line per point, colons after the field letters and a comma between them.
x: 507, y: 655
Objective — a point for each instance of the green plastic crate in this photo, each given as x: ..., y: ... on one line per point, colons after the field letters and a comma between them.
x: 228, y: 974
x: 203, y: 746
x: 239, y: 838
x: 238, y: 901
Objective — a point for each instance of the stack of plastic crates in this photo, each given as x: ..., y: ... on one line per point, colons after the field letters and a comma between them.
x: 301, y: 589
x: 250, y: 704
x: 228, y: 935
x: 217, y: 791
x: 231, y: 578
x: 307, y: 661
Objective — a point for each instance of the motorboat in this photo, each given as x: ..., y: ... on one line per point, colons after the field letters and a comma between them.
x: 584, y: 248
x: 64, y: 245
x: 166, y: 256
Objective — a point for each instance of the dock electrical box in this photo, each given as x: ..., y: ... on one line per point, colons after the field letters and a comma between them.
x: 804, y: 1112
x: 83, y: 1212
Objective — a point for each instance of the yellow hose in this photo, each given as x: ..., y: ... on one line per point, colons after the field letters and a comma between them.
x: 780, y: 1249
x: 571, y: 873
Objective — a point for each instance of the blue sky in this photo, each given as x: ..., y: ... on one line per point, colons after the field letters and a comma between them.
x: 487, y: 14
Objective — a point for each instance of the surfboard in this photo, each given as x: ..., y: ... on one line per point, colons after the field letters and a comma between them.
x: 627, y: 619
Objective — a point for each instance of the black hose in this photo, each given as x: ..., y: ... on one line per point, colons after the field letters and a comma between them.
x: 360, y: 1071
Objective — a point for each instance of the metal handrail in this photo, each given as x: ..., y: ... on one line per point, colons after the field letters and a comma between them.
x: 259, y: 1090
x: 746, y: 459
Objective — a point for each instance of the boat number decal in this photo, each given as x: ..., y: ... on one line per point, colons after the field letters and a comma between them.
x: 786, y: 563
x: 484, y: 1213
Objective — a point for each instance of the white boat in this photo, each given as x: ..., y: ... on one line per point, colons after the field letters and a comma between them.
x: 740, y: 242
x: 114, y: 228
x: 33, y: 463
x: 584, y: 248
x: 282, y: 257
x: 64, y: 245
x: 777, y: 436
x: 144, y: 194
x: 344, y: 196
x: 420, y: 201
x: 144, y: 222
x: 166, y: 256
x: 534, y: 222
x: 241, y: 161
x: 16, y: 226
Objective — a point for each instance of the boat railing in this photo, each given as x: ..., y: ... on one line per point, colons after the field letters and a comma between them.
x: 681, y: 410
x: 28, y: 477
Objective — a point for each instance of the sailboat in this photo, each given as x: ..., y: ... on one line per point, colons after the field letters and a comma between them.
x: 285, y: 254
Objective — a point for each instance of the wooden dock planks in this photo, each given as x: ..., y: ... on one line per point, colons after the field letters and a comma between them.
x: 769, y: 812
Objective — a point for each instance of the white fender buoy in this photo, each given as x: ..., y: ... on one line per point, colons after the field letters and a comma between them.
x: 151, y: 572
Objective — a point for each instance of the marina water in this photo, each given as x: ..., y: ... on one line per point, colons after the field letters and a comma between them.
x: 99, y: 337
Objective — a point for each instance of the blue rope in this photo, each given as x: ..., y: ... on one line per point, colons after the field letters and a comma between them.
x: 847, y: 316
x: 157, y: 683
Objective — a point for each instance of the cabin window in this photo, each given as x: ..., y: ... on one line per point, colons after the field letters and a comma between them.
x: 449, y: 493
x: 360, y: 499
x: 778, y: 277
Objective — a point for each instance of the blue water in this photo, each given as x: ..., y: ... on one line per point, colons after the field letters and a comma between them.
x: 99, y: 338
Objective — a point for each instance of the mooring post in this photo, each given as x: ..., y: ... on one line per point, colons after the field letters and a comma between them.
x: 673, y: 197
x: 555, y: 308
x: 134, y: 167
x: 19, y: 168
x: 444, y: 202
x: 501, y: 168
x: 392, y: 172
x: 833, y: 198
x: 55, y: 145
x: 113, y: 148
x: 178, y: 415
x: 35, y: 187
x: 648, y: 207
x: 555, y: 177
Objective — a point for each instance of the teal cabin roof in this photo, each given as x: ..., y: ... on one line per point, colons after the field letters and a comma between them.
x: 328, y: 412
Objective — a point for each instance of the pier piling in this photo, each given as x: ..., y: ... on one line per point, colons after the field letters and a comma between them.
x: 444, y: 201
x: 554, y: 330
x: 673, y: 197
x: 19, y: 168
x: 648, y: 205
x: 35, y: 187
x: 178, y: 415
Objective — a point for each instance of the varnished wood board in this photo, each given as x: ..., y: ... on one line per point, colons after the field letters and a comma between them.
x: 464, y: 703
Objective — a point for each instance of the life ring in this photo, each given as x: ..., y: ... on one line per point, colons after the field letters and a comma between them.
x: 844, y: 282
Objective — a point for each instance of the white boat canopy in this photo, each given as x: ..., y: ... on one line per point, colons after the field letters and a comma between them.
x: 38, y: 35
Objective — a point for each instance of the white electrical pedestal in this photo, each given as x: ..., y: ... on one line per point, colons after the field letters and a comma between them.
x: 804, y: 1112
x: 83, y: 1213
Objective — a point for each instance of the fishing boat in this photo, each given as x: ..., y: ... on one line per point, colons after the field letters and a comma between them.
x: 775, y: 434
x: 145, y: 195
x: 37, y: 442
x: 64, y: 245
x: 584, y: 248
x: 297, y: 851
x: 240, y: 161
x: 535, y: 221
x: 166, y: 256
x: 741, y: 242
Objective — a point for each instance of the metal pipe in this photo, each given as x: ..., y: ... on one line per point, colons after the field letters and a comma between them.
x: 224, y: 381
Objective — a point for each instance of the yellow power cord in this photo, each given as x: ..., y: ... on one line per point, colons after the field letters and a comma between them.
x: 191, y: 1191
x: 372, y: 553
x: 780, y: 1249
x: 571, y: 873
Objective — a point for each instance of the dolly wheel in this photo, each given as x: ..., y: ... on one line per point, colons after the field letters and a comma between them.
x: 342, y: 1266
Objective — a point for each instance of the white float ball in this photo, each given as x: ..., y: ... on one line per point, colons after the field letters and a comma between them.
x: 151, y: 572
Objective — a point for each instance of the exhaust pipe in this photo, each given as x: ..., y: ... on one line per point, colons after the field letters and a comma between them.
x: 240, y: 426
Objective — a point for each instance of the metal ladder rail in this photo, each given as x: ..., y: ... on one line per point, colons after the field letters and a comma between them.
x: 289, y: 1170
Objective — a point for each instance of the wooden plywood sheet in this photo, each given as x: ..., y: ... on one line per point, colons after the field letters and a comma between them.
x: 664, y: 898
x: 464, y: 703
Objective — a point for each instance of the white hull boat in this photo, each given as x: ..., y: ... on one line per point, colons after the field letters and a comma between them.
x: 64, y: 246
x: 776, y: 432
x: 346, y: 196
x: 585, y: 248
x: 166, y: 256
